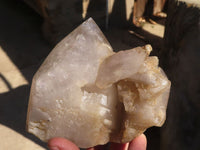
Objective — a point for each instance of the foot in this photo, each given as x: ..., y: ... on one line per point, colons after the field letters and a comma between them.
x: 160, y: 15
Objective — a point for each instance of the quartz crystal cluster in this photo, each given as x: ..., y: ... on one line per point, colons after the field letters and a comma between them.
x: 91, y: 95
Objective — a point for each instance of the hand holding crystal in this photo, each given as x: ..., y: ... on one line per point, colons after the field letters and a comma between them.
x: 139, y: 143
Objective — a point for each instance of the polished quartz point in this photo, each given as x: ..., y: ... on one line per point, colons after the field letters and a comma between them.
x: 90, y: 95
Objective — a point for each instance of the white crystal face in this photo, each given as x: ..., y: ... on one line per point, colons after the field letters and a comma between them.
x: 90, y: 95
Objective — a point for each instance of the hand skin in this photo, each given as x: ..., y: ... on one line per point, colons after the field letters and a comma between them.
x: 139, y: 143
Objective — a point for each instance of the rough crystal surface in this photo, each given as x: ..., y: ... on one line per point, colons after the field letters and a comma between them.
x: 90, y: 95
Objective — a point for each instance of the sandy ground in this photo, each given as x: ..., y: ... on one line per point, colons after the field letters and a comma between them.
x: 22, y: 50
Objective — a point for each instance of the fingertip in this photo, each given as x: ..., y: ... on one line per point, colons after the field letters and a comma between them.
x: 139, y: 143
x: 61, y: 144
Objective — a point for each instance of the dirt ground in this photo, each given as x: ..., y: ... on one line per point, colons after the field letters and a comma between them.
x: 22, y: 50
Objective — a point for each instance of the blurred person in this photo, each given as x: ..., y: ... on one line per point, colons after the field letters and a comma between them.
x: 139, y: 9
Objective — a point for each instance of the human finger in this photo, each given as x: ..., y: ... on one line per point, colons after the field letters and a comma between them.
x: 139, y: 143
x: 61, y: 144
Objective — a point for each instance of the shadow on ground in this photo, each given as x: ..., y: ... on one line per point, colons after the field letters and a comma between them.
x: 21, y: 39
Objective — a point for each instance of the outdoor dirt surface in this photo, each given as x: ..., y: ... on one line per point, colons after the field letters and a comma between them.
x: 22, y: 41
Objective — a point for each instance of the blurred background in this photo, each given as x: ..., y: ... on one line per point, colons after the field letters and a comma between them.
x: 30, y: 29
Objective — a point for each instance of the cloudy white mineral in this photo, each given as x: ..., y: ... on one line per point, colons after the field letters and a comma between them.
x: 90, y: 95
